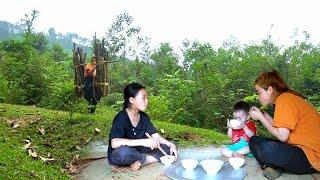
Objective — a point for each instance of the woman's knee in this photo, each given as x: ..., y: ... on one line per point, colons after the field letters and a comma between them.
x: 253, y: 143
x: 123, y: 150
x: 124, y: 155
x: 266, y: 150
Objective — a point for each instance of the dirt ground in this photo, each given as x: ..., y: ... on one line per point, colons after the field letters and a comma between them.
x: 100, y: 169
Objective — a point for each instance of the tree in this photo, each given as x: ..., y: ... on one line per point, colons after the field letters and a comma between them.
x: 165, y: 60
x: 36, y: 40
x: 57, y: 53
x: 123, y: 39
x: 23, y: 69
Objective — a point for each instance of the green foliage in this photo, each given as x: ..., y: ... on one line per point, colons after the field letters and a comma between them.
x: 23, y: 69
x: 4, y: 89
x: 57, y: 53
x: 177, y: 95
x: 61, y: 96
x: 165, y: 60
x: 126, y: 71
x: 60, y: 89
x: 114, y: 100
x: 38, y: 41
x: 158, y: 108
x: 315, y: 100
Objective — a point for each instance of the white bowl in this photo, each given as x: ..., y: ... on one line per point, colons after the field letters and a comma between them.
x: 212, y: 166
x: 235, y: 162
x: 189, y: 164
x: 234, y: 123
x: 167, y: 160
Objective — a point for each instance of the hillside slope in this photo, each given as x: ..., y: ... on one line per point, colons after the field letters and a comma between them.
x: 28, y: 131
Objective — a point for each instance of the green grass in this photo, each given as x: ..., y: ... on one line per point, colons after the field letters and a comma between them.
x: 64, y: 138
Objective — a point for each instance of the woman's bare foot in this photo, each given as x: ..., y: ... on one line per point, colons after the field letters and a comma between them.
x: 135, y: 166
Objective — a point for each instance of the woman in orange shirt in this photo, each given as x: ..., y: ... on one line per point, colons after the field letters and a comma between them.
x: 91, y: 93
x: 296, y: 125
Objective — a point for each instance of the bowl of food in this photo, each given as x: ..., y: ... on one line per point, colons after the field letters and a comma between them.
x: 212, y: 166
x: 189, y: 164
x: 235, y: 162
x: 234, y: 123
x: 167, y: 160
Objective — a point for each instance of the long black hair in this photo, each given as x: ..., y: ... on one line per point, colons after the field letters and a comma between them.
x: 131, y: 90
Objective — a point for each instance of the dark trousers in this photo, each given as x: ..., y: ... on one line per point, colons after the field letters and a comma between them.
x: 125, y: 155
x: 279, y: 155
x: 91, y: 94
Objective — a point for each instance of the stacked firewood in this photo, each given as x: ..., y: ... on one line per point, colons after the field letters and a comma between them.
x: 79, y: 59
x: 102, y: 80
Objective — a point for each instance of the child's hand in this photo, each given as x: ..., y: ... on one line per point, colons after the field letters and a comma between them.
x: 241, y: 125
x: 236, y: 124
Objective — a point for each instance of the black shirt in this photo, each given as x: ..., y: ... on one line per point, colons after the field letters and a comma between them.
x: 122, y: 128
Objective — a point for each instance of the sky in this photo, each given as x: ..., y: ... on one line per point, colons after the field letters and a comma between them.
x: 213, y: 21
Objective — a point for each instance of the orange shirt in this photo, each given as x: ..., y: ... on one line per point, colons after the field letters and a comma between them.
x: 89, y: 68
x: 303, y: 121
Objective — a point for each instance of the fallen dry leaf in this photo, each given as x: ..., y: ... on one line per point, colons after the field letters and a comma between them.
x: 15, y: 126
x: 162, y: 131
x: 42, y: 131
x: 33, y: 174
x: 11, y: 122
x: 35, y: 120
x: 63, y: 170
x: 75, y: 158
x: 73, y: 169
x: 97, y: 130
x: 85, y: 140
x: 27, y: 146
x: 44, y: 159
x: 32, y: 153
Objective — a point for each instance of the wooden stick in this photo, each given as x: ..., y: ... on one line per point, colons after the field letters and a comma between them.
x: 159, y: 147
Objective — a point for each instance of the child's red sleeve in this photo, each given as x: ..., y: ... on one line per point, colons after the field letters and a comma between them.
x: 252, y: 126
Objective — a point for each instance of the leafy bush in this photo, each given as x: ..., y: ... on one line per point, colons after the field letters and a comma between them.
x: 114, y: 100
x: 4, y: 89
x: 315, y: 100
x: 159, y: 108
x: 111, y: 99
x: 23, y: 68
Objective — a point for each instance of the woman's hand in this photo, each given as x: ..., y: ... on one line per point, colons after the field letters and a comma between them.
x: 151, y: 143
x: 255, y: 113
x: 174, y: 150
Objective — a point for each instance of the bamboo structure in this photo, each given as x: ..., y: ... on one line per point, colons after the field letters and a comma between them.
x: 79, y: 59
x: 102, y: 60
x: 102, y: 79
